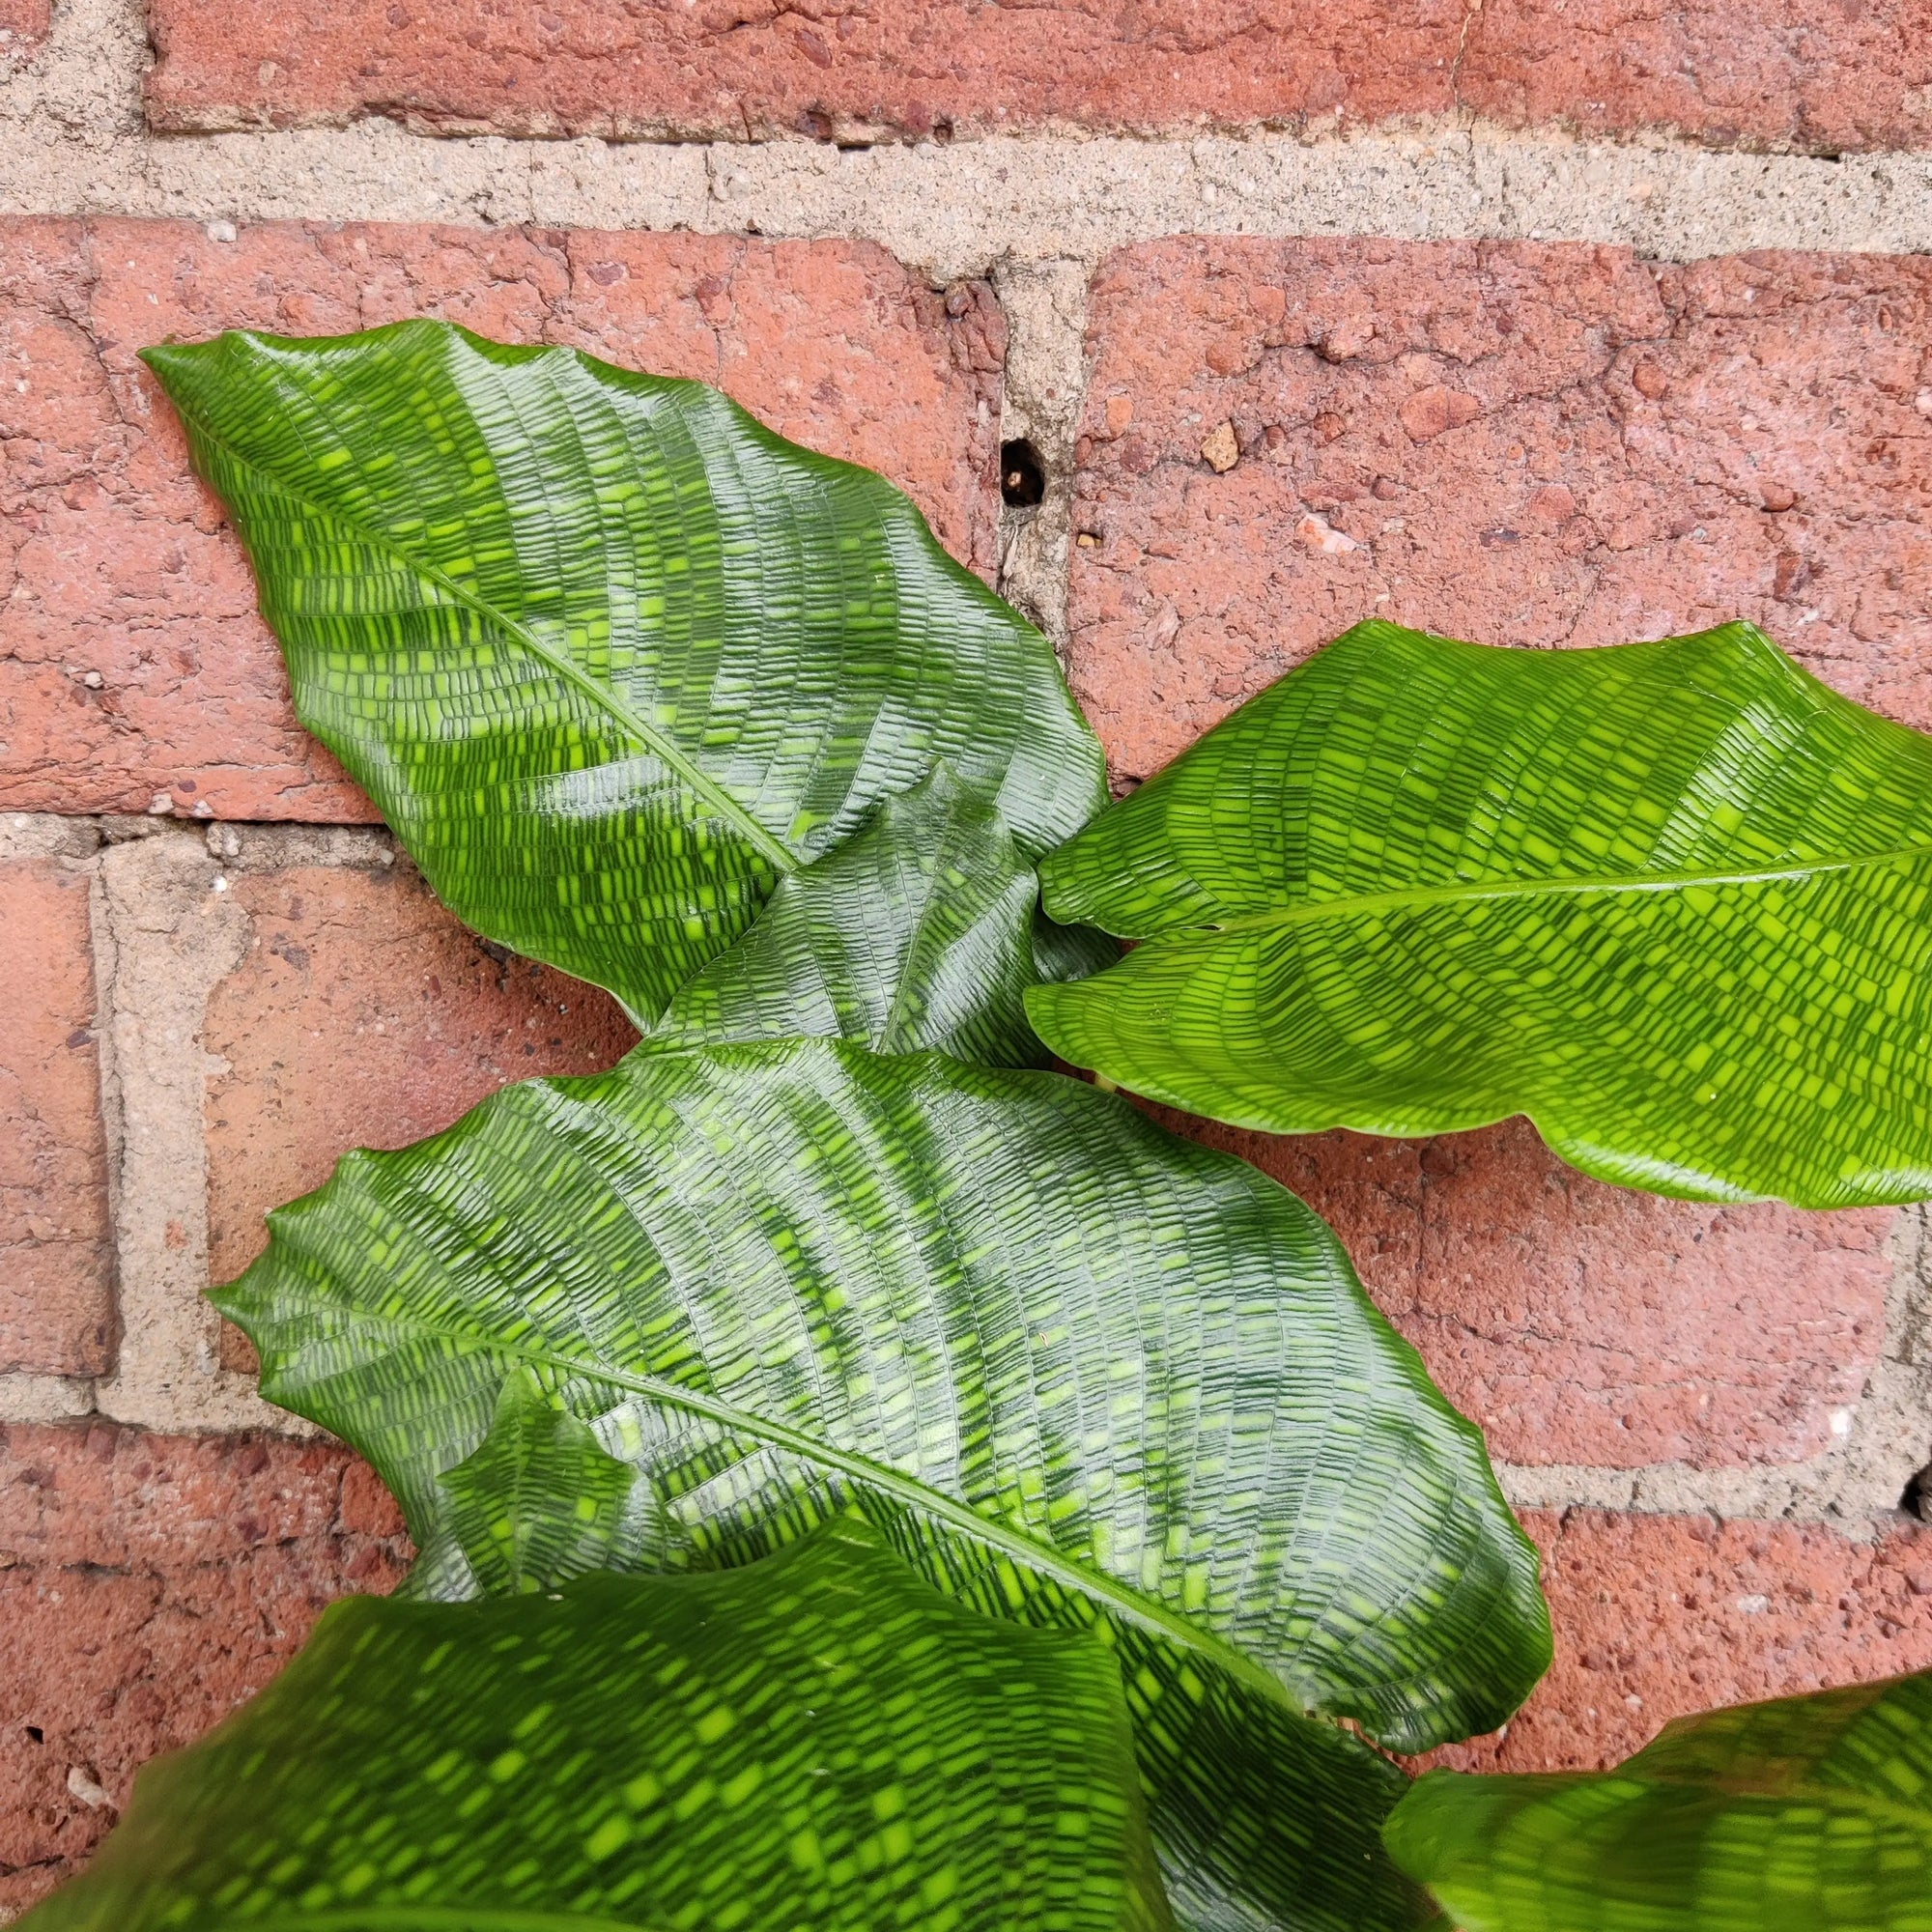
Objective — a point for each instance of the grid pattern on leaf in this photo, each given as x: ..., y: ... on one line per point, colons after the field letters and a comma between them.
x: 823, y: 1743
x: 1669, y: 900
x: 920, y: 932
x: 1812, y: 1811
x: 611, y: 657
x: 1080, y: 1370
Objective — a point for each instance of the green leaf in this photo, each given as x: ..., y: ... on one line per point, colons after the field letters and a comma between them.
x: 820, y: 1743
x: 1809, y: 1814
x: 918, y: 932
x: 540, y: 1501
x: 1674, y: 902
x: 611, y: 657
x: 1082, y: 1372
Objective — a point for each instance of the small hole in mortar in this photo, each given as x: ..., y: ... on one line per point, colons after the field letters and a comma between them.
x: 1917, y: 1497
x: 1022, y: 479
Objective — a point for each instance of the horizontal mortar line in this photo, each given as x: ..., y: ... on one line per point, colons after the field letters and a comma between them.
x: 963, y: 206
x: 1807, y: 1492
x: 29, y: 1396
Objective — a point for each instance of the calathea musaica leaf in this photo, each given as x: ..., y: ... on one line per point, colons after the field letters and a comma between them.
x: 1674, y: 902
x: 612, y: 658
x: 1806, y: 1814
x: 818, y: 1743
x: 922, y: 930
x: 1081, y: 1371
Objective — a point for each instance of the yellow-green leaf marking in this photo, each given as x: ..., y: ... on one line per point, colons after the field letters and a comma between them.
x: 1674, y: 902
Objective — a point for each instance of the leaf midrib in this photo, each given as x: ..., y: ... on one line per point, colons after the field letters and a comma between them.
x: 1309, y: 912
x: 653, y: 740
x: 1137, y: 1609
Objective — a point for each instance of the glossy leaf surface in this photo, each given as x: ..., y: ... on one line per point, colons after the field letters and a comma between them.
x: 821, y: 1743
x: 1808, y: 1814
x: 921, y: 931
x: 1080, y: 1370
x: 541, y: 1500
x: 611, y: 657
x: 1674, y: 902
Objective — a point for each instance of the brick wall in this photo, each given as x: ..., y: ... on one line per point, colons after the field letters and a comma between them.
x: 1541, y: 324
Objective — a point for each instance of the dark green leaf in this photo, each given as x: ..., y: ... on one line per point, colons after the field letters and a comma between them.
x: 821, y: 1743
x: 1082, y: 1371
x: 540, y: 1500
x: 919, y: 931
x: 611, y: 657
x: 1674, y: 902
x: 1809, y: 1814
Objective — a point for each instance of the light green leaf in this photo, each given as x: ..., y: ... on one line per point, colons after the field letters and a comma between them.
x: 1674, y: 902
x: 539, y: 1501
x: 820, y: 1743
x: 1081, y: 1370
x: 918, y: 932
x: 611, y: 657
x: 1809, y: 1814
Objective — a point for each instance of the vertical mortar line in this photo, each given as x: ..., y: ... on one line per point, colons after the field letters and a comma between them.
x: 1044, y: 390
x: 173, y: 934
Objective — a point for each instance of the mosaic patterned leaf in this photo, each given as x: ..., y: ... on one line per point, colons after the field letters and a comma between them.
x: 921, y: 931
x: 611, y: 657
x: 1674, y: 902
x: 1809, y: 1813
x: 541, y: 1500
x: 1079, y: 1370
x: 819, y: 1743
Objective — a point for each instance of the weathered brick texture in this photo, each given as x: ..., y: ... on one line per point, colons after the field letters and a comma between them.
x: 134, y: 669
x: 1657, y: 1616
x: 1534, y: 445
x: 1814, y: 73
x: 56, y: 1260
x: 148, y: 1585
x: 363, y: 1014
x: 1584, y: 1323
x: 1516, y: 443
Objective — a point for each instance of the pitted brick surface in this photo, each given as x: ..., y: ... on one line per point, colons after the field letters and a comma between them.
x: 147, y: 1585
x: 1519, y: 444
x: 364, y: 1015
x: 1583, y: 1323
x: 134, y: 672
x: 1657, y: 1616
x: 56, y: 1252
x: 1826, y: 75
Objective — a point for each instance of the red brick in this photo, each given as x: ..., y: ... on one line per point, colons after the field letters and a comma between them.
x: 1814, y: 73
x: 364, y: 1015
x: 115, y: 563
x: 733, y: 70
x: 1630, y: 428
x: 1822, y: 76
x: 56, y: 1253
x: 1579, y: 1322
x: 22, y: 22
x: 1657, y: 1616
x: 147, y: 1585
